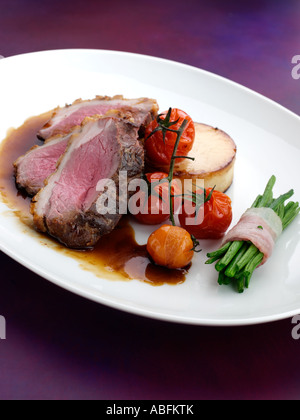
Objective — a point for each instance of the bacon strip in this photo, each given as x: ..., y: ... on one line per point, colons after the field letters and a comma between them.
x: 261, y: 226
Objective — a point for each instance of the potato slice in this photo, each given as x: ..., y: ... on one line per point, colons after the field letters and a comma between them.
x: 215, y: 155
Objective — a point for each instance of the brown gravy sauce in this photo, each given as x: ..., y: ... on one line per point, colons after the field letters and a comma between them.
x: 117, y: 256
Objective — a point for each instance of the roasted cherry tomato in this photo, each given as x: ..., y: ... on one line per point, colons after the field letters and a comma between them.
x: 211, y: 220
x: 171, y: 247
x: 155, y: 204
x: 160, y: 152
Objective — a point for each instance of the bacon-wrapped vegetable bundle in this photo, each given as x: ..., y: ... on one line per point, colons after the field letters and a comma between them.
x: 251, y: 242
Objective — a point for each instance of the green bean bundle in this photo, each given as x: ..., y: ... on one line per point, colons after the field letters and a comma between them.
x: 237, y: 260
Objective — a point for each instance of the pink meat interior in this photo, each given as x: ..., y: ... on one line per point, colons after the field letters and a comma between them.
x: 93, y: 160
x: 77, y: 117
x: 41, y: 163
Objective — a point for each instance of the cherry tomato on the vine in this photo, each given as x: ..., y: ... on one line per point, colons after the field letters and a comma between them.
x: 159, y: 151
x: 154, y: 204
x: 171, y: 247
x: 211, y: 220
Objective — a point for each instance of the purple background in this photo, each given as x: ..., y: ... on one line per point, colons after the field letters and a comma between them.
x: 61, y: 346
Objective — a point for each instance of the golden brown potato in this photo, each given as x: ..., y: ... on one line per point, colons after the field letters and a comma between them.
x: 215, y: 155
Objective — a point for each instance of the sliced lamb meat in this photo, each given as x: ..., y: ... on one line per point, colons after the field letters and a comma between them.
x: 33, y: 168
x: 39, y: 163
x: 70, y: 206
x: 63, y: 119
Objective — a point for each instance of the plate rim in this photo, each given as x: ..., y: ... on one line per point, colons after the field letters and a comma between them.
x: 139, y: 311
x: 158, y: 59
x: 112, y: 302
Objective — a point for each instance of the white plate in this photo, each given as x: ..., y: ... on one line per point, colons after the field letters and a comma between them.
x: 267, y: 136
